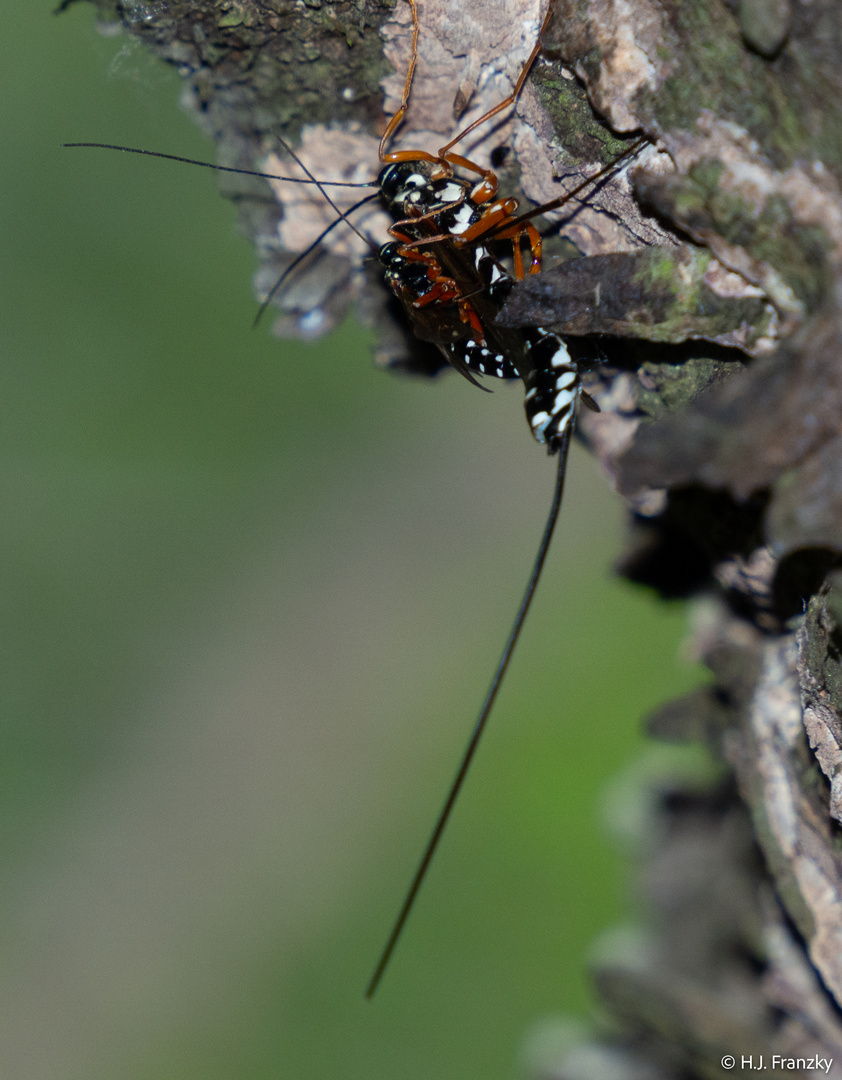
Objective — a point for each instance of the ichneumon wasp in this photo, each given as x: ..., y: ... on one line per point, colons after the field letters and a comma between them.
x: 443, y: 264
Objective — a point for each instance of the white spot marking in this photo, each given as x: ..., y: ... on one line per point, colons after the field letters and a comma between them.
x: 539, y: 426
x: 560, y: 356
x: 462, y: 219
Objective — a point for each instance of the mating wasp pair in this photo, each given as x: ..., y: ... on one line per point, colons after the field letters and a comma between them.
x: 445, y: 264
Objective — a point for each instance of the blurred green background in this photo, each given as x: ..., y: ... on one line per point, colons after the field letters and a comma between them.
x: 252, y: 595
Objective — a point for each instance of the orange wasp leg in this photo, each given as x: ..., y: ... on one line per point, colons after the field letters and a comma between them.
x: 497, y: 214
x: 487, y: 188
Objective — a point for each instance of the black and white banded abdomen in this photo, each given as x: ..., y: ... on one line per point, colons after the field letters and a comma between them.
x: 553, y: 387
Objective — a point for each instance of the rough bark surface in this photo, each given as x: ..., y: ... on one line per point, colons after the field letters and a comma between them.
x: 711, y: 270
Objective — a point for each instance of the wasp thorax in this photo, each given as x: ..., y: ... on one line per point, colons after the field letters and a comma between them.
x: 400, y: 180
x: 412, y: 188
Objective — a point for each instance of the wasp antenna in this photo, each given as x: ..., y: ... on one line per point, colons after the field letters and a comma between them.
x: 299, y: 259
x: 479, y: 727
x: 562, y: 200
x: 321, y: 186
x: 218, y: 168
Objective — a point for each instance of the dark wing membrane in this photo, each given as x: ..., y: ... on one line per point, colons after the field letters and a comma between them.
x: 486, y: 285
